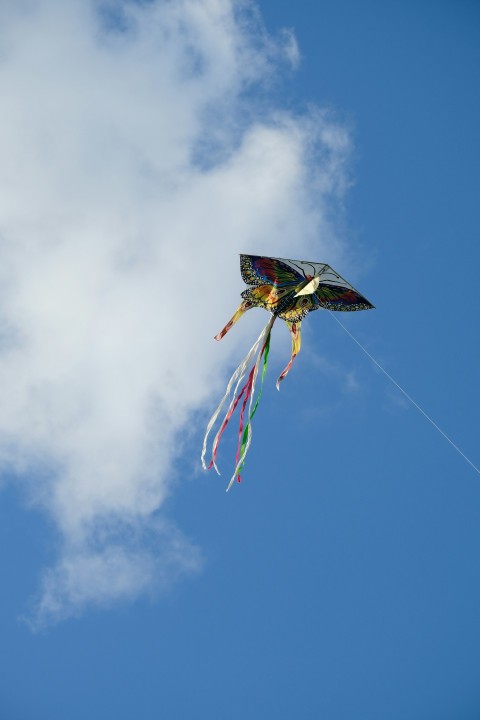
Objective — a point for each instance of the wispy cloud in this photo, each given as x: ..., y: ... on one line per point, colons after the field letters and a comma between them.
x: 344, y: 377
x: 136, y: 163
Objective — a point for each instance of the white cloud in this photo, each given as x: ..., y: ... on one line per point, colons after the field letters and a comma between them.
x: 135, y: 165
x: 291, y: 49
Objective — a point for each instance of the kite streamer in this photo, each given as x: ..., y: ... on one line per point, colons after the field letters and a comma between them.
x: 247, y: 392
x: 289, y: 290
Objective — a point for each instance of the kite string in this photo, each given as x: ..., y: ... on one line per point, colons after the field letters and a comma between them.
x: 404, y: 392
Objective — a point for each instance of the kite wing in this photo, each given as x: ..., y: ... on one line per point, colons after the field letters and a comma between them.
x: 273, y: 282
x: 269, y: 297
x: 257, y: 270
x: 299, y: 308
x: 335, y: 293
x: 338, y: 297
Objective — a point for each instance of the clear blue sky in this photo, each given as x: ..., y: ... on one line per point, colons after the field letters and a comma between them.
x: 342, y: 578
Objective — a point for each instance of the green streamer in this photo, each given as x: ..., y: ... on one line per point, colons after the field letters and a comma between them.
x: 247, y: 425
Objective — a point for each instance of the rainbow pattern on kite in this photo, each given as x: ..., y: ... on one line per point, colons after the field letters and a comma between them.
x: 289, y: 290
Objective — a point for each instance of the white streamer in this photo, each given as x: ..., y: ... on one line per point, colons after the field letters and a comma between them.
x: 241, y: 460
x: 238, y: 376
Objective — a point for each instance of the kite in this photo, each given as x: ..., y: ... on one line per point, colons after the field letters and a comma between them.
x: 289, y: 290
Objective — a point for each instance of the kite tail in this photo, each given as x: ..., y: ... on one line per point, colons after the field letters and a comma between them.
x: 246, y: 305
x: 260, y: 349
x: 236, y: 380
x: 294, y: 328
x: 245, y: 434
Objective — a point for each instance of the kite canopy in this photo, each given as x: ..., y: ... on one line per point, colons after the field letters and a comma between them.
x: 288, y: 289
x: 291, y: 289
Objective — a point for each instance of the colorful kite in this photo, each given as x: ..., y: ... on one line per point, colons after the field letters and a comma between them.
x: 288, y: 289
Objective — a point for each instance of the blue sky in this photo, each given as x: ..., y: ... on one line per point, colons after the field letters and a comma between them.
x: 341, y: 578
